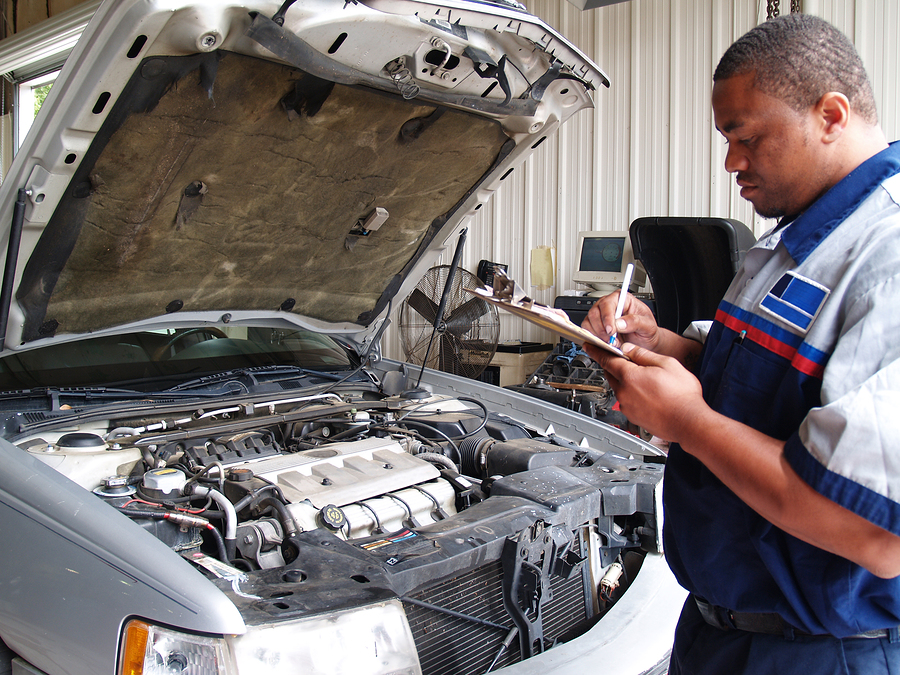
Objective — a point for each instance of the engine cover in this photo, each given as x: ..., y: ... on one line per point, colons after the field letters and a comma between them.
x: 344, y: 473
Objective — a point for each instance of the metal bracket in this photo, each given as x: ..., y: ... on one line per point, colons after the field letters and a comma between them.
x: 526, y: 584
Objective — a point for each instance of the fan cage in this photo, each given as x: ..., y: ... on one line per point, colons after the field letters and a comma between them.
x: 466, y: 338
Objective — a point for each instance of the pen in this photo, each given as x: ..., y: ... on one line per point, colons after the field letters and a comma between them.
x: 626, y: 282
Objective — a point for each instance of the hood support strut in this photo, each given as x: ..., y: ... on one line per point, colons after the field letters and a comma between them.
x: 12, y: 256
x: 439, y: 314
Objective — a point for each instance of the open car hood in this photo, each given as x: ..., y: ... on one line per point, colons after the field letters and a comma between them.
x: 215, y: 162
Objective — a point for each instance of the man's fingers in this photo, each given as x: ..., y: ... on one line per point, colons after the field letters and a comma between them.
x: 601, y: 356
x: 644, y: 357
x: 601, y: 315
x: 608, y: 314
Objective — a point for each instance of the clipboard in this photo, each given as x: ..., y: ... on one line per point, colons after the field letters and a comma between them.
x: 506, y: 294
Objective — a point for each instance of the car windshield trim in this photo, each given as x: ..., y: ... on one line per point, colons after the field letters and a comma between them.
x: 251, y: 373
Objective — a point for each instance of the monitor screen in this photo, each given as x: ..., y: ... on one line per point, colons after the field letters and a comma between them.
x: 602, y: 254
x: 601, y: 261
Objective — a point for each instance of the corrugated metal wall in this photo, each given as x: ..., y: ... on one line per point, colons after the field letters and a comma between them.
x: 649, y: 148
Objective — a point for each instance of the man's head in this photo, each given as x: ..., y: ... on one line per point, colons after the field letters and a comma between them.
x: 792, y: 100
x: 798, y: 58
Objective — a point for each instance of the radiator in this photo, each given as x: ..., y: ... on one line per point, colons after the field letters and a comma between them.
x: 450, y: 645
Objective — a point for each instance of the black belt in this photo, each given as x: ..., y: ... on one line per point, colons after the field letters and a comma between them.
x: 765, y: 622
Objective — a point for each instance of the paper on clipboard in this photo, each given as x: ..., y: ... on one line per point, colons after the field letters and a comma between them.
x: 507, y: 295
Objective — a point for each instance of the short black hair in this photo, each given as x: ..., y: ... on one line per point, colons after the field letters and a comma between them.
x: 798, y: 58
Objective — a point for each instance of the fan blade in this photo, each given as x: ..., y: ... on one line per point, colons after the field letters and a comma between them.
x: 461, y: 318
x: 423, y: 305
x: 468, y: 358
x: 449, y: 349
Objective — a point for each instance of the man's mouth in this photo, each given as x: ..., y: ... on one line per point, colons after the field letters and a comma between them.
x: 746, y: 186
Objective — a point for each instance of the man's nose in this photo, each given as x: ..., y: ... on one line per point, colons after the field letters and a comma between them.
x: 736, y: 160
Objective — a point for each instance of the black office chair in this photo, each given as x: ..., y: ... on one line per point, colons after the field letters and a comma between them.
x: 690, y: 263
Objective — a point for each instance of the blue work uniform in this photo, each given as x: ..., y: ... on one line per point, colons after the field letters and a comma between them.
x: 805, y: 348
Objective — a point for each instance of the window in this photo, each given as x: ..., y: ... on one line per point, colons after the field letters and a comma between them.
x: 30, y: 61
x: 30, y: 94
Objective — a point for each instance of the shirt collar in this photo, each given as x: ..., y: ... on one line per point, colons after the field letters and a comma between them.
x: 818, y: 221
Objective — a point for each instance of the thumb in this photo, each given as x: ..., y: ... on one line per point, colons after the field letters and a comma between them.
x: 641, y: 356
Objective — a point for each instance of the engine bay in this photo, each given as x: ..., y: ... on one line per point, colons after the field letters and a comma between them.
x: 301, y: 504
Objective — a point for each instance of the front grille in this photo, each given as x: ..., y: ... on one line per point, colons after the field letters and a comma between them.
x: 450, y: 645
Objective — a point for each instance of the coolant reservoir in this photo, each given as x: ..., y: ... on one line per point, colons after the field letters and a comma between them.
x: 164, y: 483
x: 85, y: 458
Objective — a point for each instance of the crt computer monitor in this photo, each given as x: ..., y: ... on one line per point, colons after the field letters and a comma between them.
x: 601, y: 260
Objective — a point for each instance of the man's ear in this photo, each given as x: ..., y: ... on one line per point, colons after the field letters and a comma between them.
x: 833, y: 109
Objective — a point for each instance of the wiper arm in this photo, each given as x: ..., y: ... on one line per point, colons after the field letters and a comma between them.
x: 86, y: 394
x: 251, y: 373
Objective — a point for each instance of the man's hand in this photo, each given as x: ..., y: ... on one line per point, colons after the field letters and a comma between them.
x: 637, y: 324
x: 654, y: 392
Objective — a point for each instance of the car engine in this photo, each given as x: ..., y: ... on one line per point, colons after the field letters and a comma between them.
x: 301, y: 503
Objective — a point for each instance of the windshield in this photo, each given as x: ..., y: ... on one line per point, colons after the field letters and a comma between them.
x: 153, y: 360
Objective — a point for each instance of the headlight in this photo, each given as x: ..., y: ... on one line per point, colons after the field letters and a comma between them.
x: 153, y: 650
x: 370, y: 640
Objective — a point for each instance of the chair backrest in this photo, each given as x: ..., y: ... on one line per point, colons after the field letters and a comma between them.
x: 690, y: 263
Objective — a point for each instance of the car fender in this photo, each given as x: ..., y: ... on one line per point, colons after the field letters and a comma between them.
x: 73, y: 569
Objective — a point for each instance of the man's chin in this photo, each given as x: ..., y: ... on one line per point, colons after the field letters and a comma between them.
x: 754, y: 195
x: 769, y: 212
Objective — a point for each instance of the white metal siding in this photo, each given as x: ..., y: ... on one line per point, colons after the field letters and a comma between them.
x: 649, y: 148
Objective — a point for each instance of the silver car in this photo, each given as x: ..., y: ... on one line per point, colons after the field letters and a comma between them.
x: 207, y: 466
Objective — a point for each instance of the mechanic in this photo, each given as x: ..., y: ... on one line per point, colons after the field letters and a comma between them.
x: 782, y: 486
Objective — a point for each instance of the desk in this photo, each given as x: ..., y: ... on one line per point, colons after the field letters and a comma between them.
x: 513, y: 362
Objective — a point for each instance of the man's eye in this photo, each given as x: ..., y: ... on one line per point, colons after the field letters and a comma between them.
x: 740, y: 141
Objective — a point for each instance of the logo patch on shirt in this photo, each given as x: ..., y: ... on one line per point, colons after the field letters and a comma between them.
x: 795, y: 300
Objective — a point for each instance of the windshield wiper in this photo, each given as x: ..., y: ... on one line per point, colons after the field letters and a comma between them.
x: 55, y: 394
x: 251, y: 374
